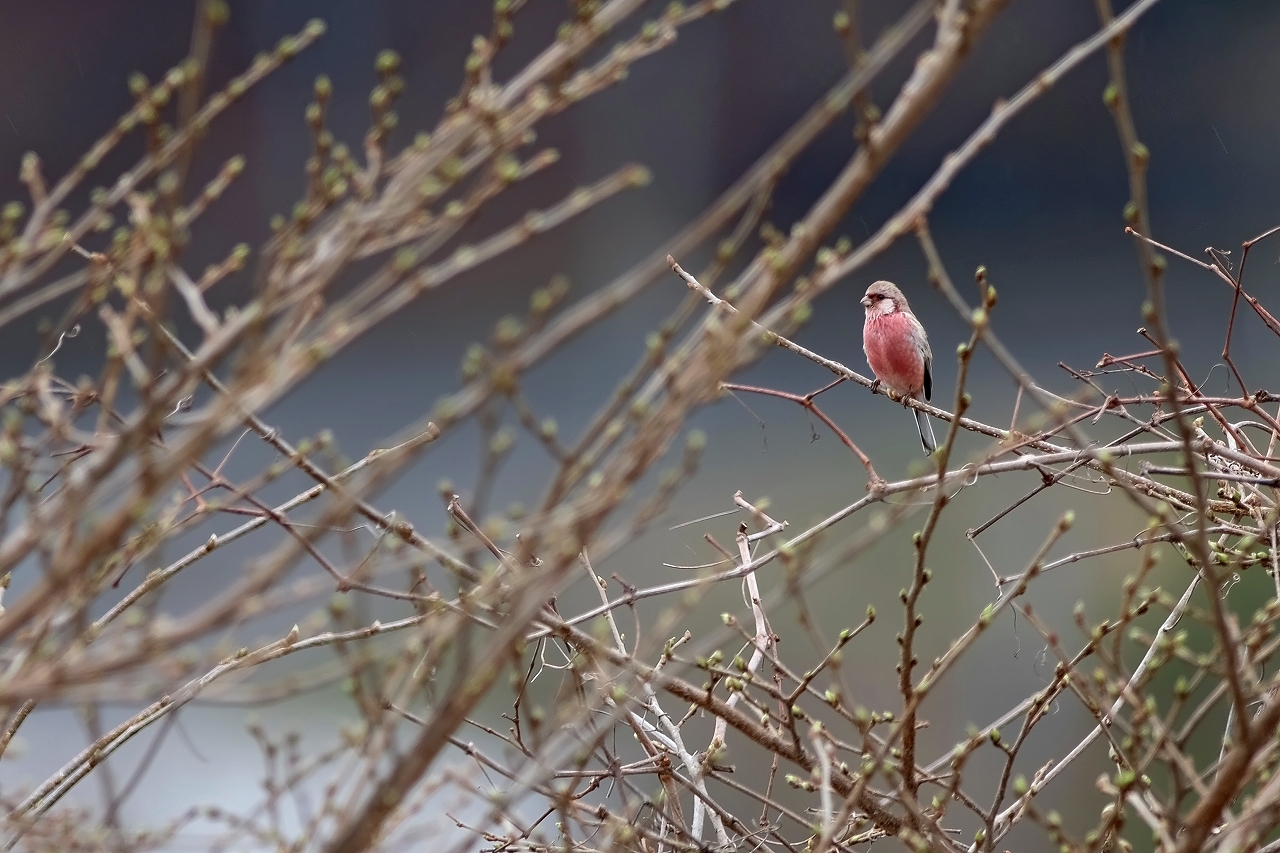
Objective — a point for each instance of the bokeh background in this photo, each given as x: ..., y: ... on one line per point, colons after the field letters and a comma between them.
x: 1040, y: 208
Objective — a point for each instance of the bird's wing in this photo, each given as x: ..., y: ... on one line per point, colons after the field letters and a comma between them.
x: 922, y: 342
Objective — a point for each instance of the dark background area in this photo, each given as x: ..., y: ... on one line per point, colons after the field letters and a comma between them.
x: 1040, y: 208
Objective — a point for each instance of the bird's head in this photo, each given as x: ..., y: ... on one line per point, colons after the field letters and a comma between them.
x: 882, y: 298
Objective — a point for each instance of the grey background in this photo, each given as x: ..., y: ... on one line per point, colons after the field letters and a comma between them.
x: 1041, y: 208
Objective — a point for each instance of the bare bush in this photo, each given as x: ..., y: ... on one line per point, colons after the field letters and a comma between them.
x: 658, y: 741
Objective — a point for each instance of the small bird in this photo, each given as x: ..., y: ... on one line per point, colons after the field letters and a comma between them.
x: 897, y: 349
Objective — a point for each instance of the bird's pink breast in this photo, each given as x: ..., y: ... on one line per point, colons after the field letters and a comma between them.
x: 893, y: 352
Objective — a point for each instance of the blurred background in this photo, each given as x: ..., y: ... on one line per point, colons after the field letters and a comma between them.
x: 1040, y: 208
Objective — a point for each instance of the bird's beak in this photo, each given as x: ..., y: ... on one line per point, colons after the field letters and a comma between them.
x: 866, y: 302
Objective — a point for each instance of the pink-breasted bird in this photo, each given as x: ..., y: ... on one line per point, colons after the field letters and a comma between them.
x: 897, y: 349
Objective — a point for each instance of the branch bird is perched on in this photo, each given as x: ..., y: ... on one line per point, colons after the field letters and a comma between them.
x: 897, y: 349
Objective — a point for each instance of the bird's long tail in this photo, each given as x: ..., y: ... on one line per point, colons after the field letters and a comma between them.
x: 926, y: 432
